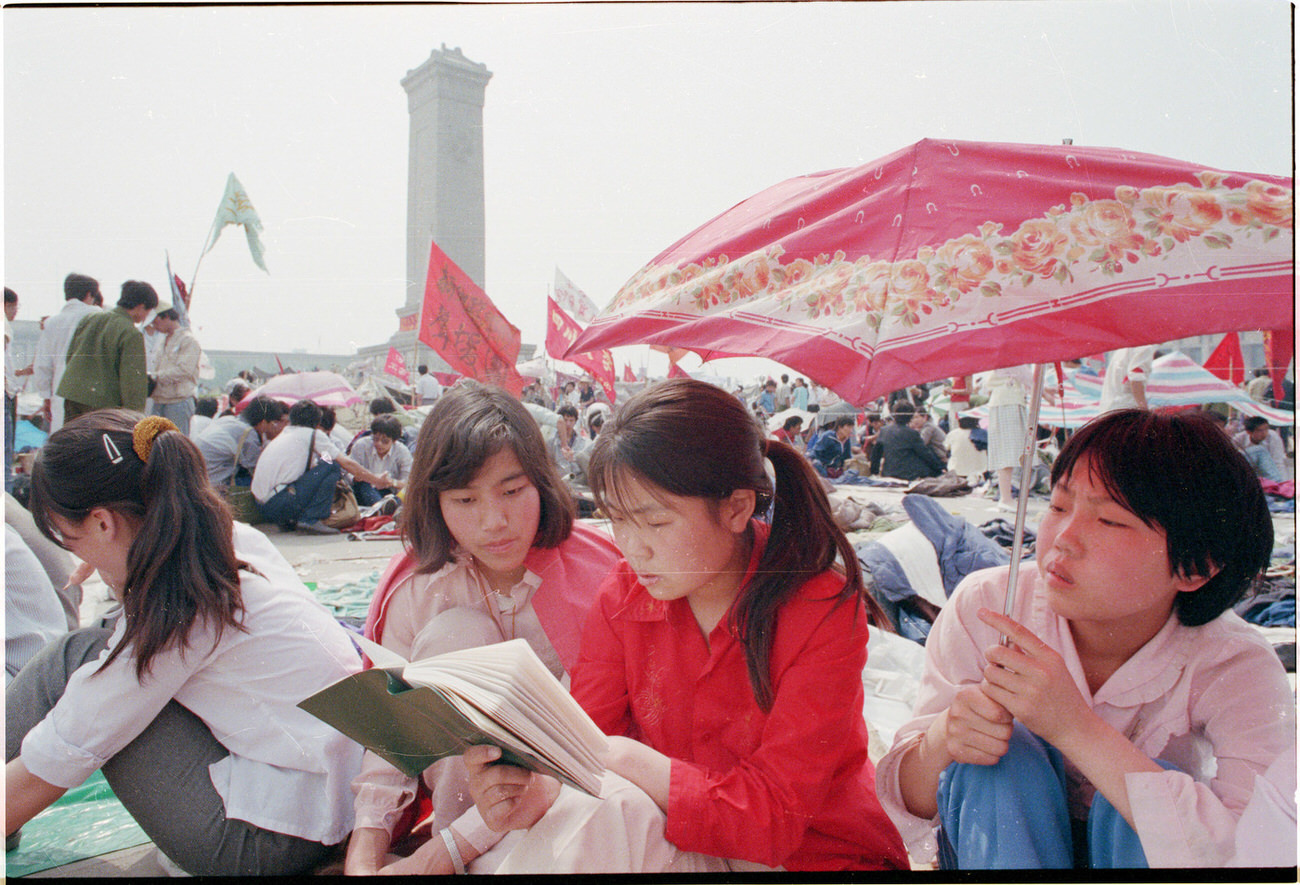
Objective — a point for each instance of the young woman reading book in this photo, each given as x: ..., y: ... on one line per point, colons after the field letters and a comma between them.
x: 724, y: 657
x: 189, y: 704
x: 1128, y: 720
x: 492, y: 554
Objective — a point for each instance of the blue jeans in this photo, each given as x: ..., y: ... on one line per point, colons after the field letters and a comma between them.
x: 307, y: 499
x: 178, y: 413
x: 1015, y: 815
x: 367, y: 494
x: 1261, y: 460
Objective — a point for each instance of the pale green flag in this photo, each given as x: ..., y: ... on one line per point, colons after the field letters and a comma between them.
x: 236, y: 208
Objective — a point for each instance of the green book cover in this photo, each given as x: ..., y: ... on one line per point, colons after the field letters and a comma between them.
x: 412, y: 727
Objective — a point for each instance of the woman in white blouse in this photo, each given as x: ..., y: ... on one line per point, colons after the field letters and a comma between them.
x: 189, y: 703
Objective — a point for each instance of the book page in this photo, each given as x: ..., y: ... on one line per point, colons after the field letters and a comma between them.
x: 508, y: 683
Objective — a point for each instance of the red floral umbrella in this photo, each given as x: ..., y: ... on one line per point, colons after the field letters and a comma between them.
x: 951, y: 257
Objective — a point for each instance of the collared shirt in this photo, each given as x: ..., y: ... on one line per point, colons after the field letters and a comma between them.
x: 403, y: 615
x: 220, y: 445
x: 284, y: 459
x: 106, y: 366
x: 1009, y: 386
x: 1272, y: 443
x: 1213, y: 700
x: 397, y: 463
x: 789, y: 787
x: 177, y: 367
x: 577, y: 445
x: 287, y: 771
x: 831, y: 451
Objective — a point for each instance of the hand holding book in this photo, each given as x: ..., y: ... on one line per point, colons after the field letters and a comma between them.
x: 413, y: 714
x: 508, y: 798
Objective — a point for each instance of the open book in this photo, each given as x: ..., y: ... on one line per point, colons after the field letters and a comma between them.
x: 413, y: 714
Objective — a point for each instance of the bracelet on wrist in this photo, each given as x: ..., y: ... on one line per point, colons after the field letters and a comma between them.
x: 449, y: 839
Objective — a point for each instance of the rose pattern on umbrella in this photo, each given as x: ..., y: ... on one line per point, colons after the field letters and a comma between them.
x: 1101, y: 235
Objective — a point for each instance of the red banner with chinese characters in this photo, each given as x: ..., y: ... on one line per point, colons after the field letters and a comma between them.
x: 396, y: 366
x: 462, y: 325
x: 561, y: 331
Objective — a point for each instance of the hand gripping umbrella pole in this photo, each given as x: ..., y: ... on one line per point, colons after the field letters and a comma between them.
x: 1028, y: 455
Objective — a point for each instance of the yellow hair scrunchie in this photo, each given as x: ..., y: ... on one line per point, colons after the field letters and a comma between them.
x: 146, y: 431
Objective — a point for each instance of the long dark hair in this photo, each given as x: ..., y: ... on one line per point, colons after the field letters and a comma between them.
x: 181, y: 567
x: 695, y: 440
x: 468, y: 425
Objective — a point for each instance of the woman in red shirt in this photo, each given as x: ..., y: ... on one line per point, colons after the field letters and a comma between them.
x: 789, y: 431
x: 724, y: 656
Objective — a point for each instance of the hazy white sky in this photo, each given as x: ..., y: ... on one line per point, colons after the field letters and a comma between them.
x: 610, y: 130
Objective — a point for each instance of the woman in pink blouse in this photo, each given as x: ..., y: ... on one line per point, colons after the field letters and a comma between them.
x: 1126, y: 722
x: 492, y: 554
x: 724, y: 657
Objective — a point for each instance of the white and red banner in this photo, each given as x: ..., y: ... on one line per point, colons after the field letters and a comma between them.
x: 573, y: 300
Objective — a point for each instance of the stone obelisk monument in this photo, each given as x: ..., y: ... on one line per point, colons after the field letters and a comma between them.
x: 444, y: 190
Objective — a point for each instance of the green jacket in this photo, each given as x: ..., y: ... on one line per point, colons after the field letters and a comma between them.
x: 106, y: 363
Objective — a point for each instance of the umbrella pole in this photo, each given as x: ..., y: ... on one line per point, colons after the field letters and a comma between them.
x: 1027, y: 458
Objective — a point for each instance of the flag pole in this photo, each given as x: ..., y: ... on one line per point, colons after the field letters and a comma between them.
x: 204, y: 251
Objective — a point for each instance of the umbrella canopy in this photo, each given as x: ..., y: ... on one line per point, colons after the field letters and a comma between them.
x: 1176, y: 380
x: 777, y: 421
x: 322, y: 388
x: 947, y: 258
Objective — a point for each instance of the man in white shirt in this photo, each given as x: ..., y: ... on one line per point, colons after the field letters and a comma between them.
x: 382, y: 452
x: 1124, y: 385
x: 286, y: 458
x: 232, y: 444
x: 427, y: 386
x: 80, y: 294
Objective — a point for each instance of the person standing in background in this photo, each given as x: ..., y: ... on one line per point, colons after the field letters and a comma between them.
x: 1008, y: 425
x: 799, y: 395
x: 80, y: 294
x: 106, y: 367
x: 429, y: 387
x: 176, y: 369
x: 1124, y: 385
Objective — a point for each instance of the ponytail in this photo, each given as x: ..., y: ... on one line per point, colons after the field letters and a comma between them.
x: 181, y: 567
x: 804, y: 541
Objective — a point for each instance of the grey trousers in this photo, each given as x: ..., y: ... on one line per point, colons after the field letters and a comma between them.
x: 161, y: 777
